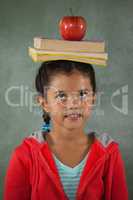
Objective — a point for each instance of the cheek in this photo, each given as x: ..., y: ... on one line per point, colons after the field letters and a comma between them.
x: 57, y: 110
x: 87, y: 108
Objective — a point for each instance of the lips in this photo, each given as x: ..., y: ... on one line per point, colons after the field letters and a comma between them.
x: 73, y: 116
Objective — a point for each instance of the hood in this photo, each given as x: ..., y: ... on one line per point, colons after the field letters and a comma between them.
x: 104, y: 138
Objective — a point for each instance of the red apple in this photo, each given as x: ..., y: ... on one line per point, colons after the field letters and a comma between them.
x: 72, y: 27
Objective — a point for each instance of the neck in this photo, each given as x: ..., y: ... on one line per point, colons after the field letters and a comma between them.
x: 67, y: 136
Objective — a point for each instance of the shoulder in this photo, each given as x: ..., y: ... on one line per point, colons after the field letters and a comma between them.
x: 105, y: 139
x: 30, y: 143
x: 107, y: 143
x: 108, y: 148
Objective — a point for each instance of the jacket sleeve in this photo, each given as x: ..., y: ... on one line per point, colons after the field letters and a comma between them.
x: 119, y: 185
x: 16, y: 186
x: 115, y: 181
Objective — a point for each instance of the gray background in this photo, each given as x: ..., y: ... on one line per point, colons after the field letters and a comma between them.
x: 20, y: 21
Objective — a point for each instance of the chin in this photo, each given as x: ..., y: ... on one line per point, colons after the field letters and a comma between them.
x: 71, y: 125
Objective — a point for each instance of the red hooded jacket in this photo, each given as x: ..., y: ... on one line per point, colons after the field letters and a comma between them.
x: 32, y: 173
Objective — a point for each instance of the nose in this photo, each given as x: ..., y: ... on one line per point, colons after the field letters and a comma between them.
x: 73, y: 101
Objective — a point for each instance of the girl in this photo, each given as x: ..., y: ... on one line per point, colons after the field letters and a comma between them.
x: 62, y: 162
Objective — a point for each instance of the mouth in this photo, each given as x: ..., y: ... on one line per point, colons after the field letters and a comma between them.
x: 73, y: 116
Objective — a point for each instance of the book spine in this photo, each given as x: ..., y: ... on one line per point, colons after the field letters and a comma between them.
x: 101, y: 56
x: 42, y: 58
x: 63, y: 45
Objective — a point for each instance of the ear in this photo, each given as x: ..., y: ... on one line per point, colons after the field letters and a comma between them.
x: 42, y: 102
x: 94, y: 98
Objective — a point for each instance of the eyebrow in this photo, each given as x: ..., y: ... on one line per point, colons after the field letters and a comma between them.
x: 61, y: 91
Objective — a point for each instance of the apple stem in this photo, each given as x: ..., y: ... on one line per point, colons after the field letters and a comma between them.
x: 71, y: 11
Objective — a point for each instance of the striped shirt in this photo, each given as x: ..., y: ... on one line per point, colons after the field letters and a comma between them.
x: 70, y: 176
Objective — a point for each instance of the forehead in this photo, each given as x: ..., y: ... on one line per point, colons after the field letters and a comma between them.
x: 73, y: 82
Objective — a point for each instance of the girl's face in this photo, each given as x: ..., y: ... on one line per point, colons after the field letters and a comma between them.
x: 69, y: 95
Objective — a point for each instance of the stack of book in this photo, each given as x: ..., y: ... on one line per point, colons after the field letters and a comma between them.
x: 86, y: 51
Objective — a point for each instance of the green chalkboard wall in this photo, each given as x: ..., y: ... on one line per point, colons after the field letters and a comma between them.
x: 111, y: 21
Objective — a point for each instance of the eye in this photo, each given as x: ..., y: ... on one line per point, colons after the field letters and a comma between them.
x: 83, y: 94
x: 61, y: 96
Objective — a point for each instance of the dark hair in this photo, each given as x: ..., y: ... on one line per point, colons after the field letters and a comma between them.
x: 48, y: 69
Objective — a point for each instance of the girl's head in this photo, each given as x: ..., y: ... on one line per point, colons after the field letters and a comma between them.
x: 65, y: 87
